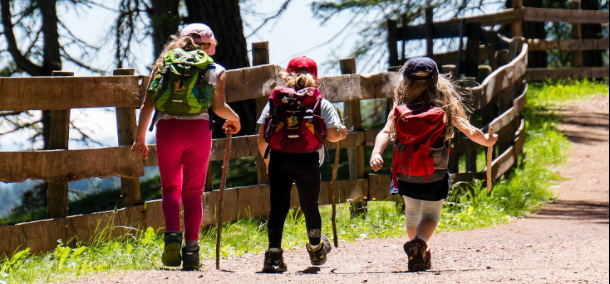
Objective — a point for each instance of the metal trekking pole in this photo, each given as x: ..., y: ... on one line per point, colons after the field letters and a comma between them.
x: 223, y: 182
x: 490, y: 152
x: 334, y: 188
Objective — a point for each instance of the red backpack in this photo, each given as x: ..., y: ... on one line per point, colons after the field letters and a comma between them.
x: 295, y: 124
x: 421, y: 154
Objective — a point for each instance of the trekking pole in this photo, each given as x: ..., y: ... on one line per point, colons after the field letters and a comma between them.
x: 223, y: 182
x: 334, y: 188
x: 490, y: 152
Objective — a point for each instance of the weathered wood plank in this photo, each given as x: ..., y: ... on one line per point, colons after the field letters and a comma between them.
x: 343, y: 88
x: 72, y: 165
x: 562, y: 15
x: 510, y: 115
x: 499, y: 80
x: 541, y: 74
x: 62, y: 93
x: 353, y: 139
x: 379, y: 85
x: 505, y: 17
x: 568, y: 45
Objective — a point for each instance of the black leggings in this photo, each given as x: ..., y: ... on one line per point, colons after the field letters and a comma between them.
x: 304, y: 170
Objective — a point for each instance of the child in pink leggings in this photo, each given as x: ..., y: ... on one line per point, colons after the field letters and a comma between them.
x: 184, y: 145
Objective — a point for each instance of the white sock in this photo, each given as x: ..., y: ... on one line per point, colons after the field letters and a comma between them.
x: 314, y: 247
x: 275, y: 250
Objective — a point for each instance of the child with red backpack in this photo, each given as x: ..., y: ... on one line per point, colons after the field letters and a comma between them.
x: 185, y: 83
x: 294, y: 126
x: 427, y: 109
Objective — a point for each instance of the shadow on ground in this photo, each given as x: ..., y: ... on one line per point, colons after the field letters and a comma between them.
x: 578, y: 210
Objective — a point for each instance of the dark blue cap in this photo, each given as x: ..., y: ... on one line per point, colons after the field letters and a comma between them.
x: 420, y: 68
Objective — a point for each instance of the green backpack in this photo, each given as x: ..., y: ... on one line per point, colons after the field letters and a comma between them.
x: 183, y: 87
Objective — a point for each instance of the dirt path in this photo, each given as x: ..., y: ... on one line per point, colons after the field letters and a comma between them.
x: 566, y: 242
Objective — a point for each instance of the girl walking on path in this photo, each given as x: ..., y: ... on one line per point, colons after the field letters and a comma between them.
x: 427, y: 109
x: 294, y: 126
x: 182, y: 95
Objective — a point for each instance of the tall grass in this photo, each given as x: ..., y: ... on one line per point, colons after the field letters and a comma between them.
x: 470, y: 206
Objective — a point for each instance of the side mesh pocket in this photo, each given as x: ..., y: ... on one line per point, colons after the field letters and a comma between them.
x: 440, y: 156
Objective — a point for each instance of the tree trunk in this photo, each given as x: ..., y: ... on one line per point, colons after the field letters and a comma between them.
x: 52, y: 57
x: 592, y: 58
x: 224, y: 17
x: 165, y: 21
x: 531, y: 30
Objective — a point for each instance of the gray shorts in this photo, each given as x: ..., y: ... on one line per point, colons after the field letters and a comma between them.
x: 418, y: 210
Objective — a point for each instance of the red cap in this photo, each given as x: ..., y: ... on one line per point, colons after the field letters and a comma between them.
x: 297, y: 63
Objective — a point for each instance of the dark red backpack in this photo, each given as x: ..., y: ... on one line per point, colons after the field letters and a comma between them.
x: 421, y: 154
x: 295, y: 124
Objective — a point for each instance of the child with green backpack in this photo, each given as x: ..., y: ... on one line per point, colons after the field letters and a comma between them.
x: 185, y: 83
x: 294, y: 126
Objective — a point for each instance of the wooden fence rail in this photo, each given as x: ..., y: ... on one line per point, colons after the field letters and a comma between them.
x: 483, y: 44
x: 248, y: 83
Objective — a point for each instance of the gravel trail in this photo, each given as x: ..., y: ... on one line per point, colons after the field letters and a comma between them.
x: 565, y: 242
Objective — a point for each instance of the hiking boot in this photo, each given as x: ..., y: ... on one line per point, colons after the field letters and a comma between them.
x: 420, y: 256
x: 319, y: 255
x: 171, y: 253
x: 274, y: 262
x: 190, y: 259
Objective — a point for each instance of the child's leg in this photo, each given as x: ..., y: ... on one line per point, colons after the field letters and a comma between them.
x: 413, y: 209
x: 195, y: 161
x: 430, y: 215
x: 308, y: 183
x: 169, y: 155
x: 280, y: 182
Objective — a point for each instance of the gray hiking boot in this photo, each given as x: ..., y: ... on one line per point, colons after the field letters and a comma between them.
x: 171, y: 253
x: 190, y: 259
x: 319, y: 256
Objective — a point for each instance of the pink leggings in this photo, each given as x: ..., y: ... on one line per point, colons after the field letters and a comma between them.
x: 183, y: 152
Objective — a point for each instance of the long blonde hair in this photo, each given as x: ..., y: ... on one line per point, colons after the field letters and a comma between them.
x: 440, y: 92
x: 187, y: 43
x: 299, y: 81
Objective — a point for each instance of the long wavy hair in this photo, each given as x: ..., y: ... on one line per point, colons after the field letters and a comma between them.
x: 299, y: 81
x: 187, y: 43
x: 441, y: 92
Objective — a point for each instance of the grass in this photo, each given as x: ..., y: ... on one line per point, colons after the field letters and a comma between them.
x: 470, y: 206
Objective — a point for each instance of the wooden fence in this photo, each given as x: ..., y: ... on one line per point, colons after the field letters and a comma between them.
x: 499, y: 99
x: 483, y: 41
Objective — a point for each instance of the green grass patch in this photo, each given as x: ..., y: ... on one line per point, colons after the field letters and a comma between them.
x: 519, y: 193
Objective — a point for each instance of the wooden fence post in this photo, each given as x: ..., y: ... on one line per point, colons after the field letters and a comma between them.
x: 505, y: 102
x: 403, y: 35
x: 471, y: 151
x: 127, y: 129
x: 393, y: 42
x: 57, y: 193
x: 518, y: 25
x: 577, y: 57
x: 454, y: 160
x: 473, y: 32
x: 429, y: 32
x: 354, y: 120
x: 260, y: 56
x: 492, y: 49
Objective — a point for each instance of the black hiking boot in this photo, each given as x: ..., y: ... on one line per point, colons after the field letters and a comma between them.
x: 319, y: 256
x: 171, y: 253
x: 190, y: 259
x: 274, y: 262
x: 420, y: 256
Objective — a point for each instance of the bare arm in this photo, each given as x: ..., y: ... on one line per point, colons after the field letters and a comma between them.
x: 475, y: 134
x: 222, y: 109
x: 336, y: 134
x: 146, y: 111
x: 382, y: 142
